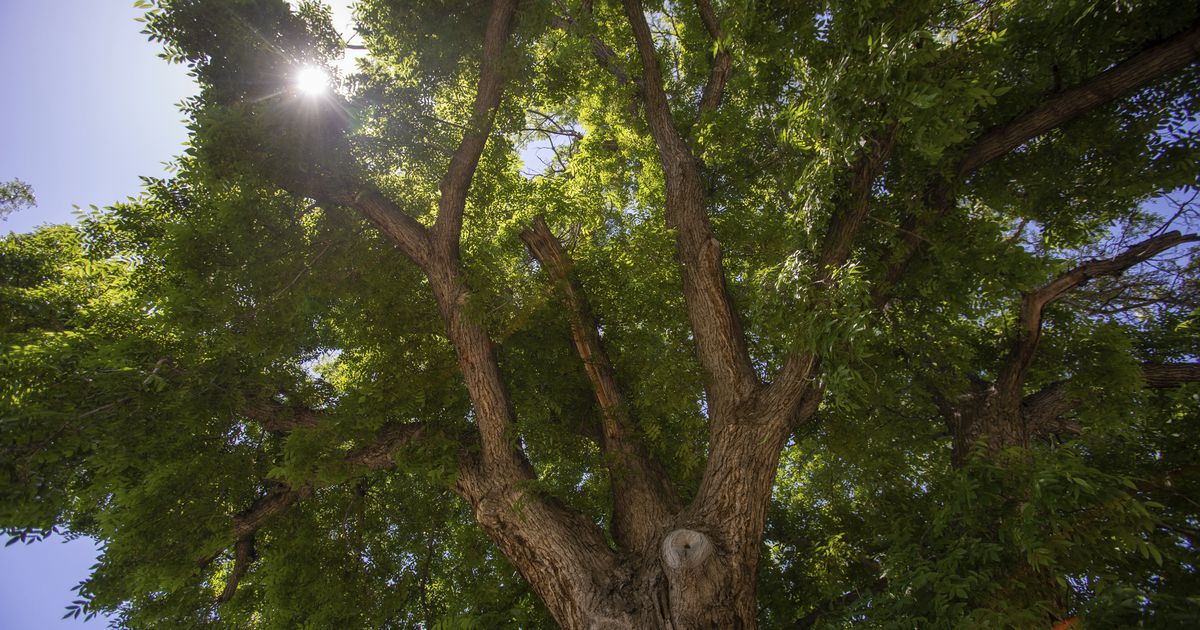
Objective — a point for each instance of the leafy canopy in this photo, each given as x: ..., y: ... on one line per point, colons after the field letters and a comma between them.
x: 139, y: 342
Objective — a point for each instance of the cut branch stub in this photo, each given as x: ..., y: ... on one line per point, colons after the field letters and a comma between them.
x: 686, y: 549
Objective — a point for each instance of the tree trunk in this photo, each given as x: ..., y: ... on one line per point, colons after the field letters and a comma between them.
x: 687, y: 582
x: 988, y: 419
x: 698, y: 571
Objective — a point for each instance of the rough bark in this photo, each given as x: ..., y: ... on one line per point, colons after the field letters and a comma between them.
x: 720, y: 342
x: 1155, y: 61
x: 748, y: 423
x: 564, y: 556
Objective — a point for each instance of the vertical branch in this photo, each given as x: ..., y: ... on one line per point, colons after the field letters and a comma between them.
x: 720, y: 342
x: 605, y: 56
x: 940, y: 202
x: 722, y: 62
x: 549, y: 252
x: 472, y: 344
x: 243, y: 555
x: 791, y: 384
x: 848, y: 220
x: 457, y: 180
x: 643, y: 497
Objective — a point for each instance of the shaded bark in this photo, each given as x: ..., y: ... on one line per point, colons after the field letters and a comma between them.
x: 847, y: 221
x: 279, y: 417
x: 1155, y: 61
x: 1045, y: 409
x: 722, y: 62
x: 998, y: 415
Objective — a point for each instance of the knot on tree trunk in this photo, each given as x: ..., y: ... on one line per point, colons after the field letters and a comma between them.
x: 686, y: 549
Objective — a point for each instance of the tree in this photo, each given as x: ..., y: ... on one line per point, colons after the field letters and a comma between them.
x: 822, y: 313
x: 15, y: 195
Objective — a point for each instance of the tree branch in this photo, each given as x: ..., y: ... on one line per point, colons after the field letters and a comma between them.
x: 278, y: 417
x: 549, y: 252
x: 1012, y: 374
x: 439, y: 259
x: 457, y: 180
x: 243, y: 555
x: 397, y: 225
x: 791, y: 386
x: 603, y: 53
x: 790, y: 383
x: 473, y: 348
x: 940, y: 201
x: 1043, y: 410
x: 643, y: 497
x: 380, y: 453
x: 722, y: 63
x: 848, y: 220
x: 1164, y: 375
x: 246, y: 524
x: 375, y: 456
x: 1169, y: 55
x: 527, y: 526
x: 720, y: 342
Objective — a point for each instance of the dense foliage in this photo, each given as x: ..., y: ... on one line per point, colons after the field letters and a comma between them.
x: 252, y: 329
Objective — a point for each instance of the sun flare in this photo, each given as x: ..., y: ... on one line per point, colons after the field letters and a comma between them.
x: 312, y: 81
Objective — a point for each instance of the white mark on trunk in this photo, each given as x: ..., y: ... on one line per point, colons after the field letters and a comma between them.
x: 686, y: 549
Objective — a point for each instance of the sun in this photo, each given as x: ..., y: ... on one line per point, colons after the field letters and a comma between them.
x: 312, y: 80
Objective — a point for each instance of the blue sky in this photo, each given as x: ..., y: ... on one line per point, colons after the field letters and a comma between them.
x: 87, y: 107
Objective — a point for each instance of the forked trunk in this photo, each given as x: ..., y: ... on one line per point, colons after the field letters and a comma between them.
x: 697, y: 571
x: 688, y: 582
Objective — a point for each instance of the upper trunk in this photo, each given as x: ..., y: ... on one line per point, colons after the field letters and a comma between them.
x: 989, y: 421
